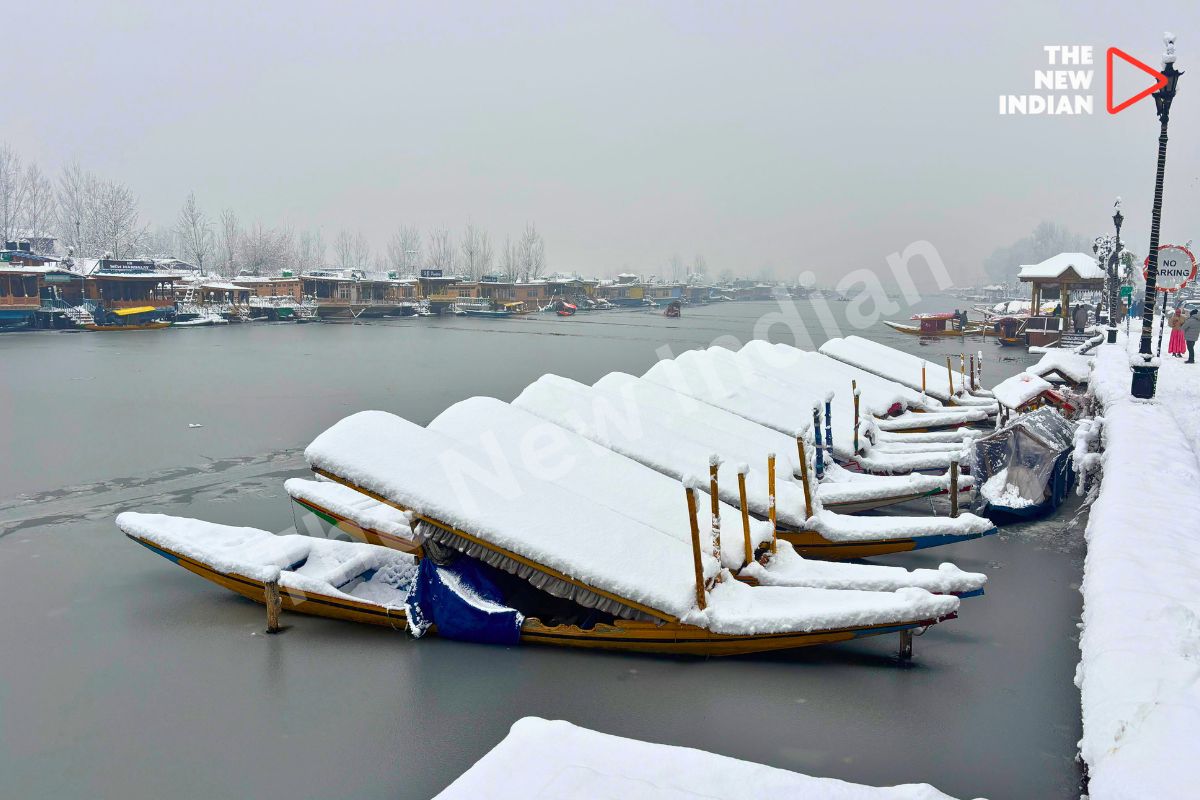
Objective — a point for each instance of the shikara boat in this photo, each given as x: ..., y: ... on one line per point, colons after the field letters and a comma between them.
x: 357, y: 582
x: 945, y: 384
x: 676, y: 441
x: 674, y: 310
x: 632, y: 489
x: 128, y: 319
x: 944, y: 324
x: 324, y: 578
x: 660, y: 594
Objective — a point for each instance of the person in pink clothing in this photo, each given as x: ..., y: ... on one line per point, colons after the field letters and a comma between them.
x: 1177, y: 346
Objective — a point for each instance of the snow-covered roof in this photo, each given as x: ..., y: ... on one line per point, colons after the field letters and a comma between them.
x: 1019, y: 389
x: 1083, y: 265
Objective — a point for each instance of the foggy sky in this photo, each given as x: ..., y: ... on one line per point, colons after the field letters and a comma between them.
x: 817, y: 136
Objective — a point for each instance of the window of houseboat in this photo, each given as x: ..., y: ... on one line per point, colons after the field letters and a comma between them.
x: 3, y: 286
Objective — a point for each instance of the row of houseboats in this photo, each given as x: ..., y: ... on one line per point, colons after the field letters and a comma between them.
x: 39, y: 291
x: 698, y: 508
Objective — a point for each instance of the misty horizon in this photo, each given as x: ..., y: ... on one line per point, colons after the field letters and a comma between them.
x: 768, y: 140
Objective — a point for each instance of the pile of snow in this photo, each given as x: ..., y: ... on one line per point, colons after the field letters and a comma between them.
x: 1074, y: 366
x: 1141, y: 589
x: 541, y: 758
x: 998, y: 491
x: 1018, y: 390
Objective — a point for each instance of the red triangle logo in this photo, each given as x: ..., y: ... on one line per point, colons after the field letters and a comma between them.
x: 1159, y: 78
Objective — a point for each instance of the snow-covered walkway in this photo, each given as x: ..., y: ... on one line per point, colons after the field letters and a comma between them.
x: 1139, y: 674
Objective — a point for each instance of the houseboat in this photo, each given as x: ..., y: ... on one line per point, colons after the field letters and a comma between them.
x: 351, y: 294
x: 127, y: 294
x: 34, y: 288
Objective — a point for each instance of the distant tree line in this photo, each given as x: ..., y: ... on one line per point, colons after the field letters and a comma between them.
x: 1047, y: 239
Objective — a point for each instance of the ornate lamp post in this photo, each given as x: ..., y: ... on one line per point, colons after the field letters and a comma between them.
x: 1145, y: 373
x: 1114, y: 273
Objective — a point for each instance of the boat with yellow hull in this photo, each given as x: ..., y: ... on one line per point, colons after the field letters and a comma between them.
x: 300, y: 592
x: 152, y: 325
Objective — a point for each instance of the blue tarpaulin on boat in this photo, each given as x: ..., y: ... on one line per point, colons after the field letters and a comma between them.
x: 463, y: 602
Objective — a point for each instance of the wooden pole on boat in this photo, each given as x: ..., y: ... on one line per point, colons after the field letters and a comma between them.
x: 274, y: 602
x: 954, y: 486
x: 696, y: 564
x: 973, y: 387
x: 771, y: 496
x: 749, y: 554
x: 715, y: 505
x: 981, y: 368
x: 922, y: 380
x: 950, y: 375
x: 962, y: 370
x: 808, y: 510
x: 817, y: 440
x: 854, y: 386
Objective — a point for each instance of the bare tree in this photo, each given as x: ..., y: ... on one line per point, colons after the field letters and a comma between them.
x: 441, y: 251
x: 352, y: 250
x: 76, y: 190
x: 476, y: 252
x: 510, y: 259
x: 486, y: 255
x: 12, y: 193
x: 532, y: 253
x: 229, y: 240
x: 699, y: 267
x: 677, y: 268
x: 404, y: 249
x: 266, y: 251
x: 160, y: 242
x: 116, y: 220
x: 38, y: 202
x: 196, y: 239
x: 311, y: 251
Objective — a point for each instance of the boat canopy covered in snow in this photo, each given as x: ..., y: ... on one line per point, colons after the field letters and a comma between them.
x: 1024, y: 470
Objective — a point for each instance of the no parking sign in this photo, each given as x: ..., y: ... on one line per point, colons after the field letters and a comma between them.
x: 1176, y: 268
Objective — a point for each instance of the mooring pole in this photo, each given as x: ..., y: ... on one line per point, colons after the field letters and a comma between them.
x: 906, y: 645
x: 771, y: 496
x: 749, y: 554
x: 714, y: 462
x: 817, y: 441
x: 954, y: 486
x: 274, y: 602
x: 973, y: 386
x: 808, y: 509
x: 857, y: 416
x: 697, y: 565
x: 950, y: 375
x: 829, y: 426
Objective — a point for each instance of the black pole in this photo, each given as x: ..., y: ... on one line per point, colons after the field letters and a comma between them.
x: 1114, y: 297
x: 1145, y: 375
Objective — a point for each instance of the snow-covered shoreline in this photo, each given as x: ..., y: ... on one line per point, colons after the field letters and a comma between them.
x: 1140, y: 641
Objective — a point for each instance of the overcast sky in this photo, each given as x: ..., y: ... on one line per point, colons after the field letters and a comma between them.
x: 793, y: 136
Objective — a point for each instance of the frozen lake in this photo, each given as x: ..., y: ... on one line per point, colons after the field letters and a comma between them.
x: 126, y: 676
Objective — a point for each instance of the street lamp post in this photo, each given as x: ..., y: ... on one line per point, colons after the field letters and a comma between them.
x: 1115, y: 274
x: 1145, y: 371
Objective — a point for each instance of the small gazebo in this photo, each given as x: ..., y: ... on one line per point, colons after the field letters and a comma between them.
x: 1063, y: 273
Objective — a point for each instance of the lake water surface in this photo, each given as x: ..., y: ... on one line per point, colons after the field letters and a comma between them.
x: 125, y: 676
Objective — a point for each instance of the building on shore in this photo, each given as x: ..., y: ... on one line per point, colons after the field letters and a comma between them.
x: 353, y: 294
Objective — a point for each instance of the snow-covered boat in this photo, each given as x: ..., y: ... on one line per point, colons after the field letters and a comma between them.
x: 680, y: 440
x: 200, y: 320
x: 1024, y: 469
x: 602, y: 578
x: 783, y: 399
x: 358, y: 516
x: 325, y: 578
x: 940, y: 381
x: 942, y: 324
